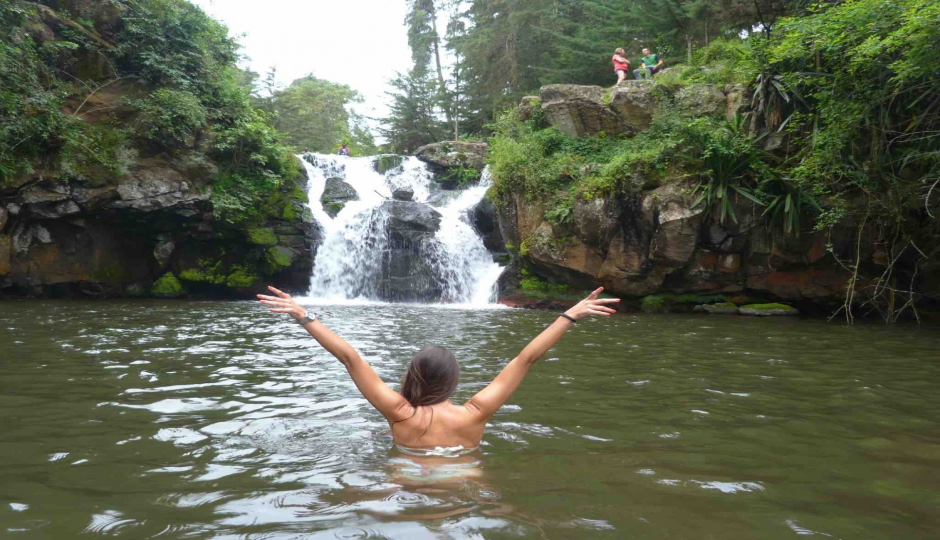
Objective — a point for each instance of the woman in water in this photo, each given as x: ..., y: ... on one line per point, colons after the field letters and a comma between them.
x: 422, y: 415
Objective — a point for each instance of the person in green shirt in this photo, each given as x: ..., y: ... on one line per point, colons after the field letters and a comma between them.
x: 651, y: 65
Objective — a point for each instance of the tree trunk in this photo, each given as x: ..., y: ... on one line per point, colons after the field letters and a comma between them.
x: 688, y: 41
x: 448, y: 107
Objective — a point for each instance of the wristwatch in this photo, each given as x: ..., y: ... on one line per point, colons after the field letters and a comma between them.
x: 303, y: 321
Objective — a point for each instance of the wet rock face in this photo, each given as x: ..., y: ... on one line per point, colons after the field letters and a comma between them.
x: 406, y: 275
x: 656, y: 242
x: 484, y: 220
x: 336, y: 194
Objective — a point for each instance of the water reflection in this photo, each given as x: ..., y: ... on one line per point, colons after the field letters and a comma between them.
x: 176, y: 420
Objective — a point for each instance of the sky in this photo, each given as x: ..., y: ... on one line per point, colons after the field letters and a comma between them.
x: 360, y: 43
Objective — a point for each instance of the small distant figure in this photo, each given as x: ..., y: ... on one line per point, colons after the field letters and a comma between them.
x: 307, y: 150
x: 621, y: 65
x: 344, y: 150
x: 651, y: 64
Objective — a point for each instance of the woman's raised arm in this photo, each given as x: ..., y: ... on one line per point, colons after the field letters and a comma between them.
x: 387, y: 401
x: 491, y: 398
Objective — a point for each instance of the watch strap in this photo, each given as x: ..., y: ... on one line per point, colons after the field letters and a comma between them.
x: 307, y: 319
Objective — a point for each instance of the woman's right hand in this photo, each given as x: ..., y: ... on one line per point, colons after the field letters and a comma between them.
x: 282, y: 303
x: 592, y: 305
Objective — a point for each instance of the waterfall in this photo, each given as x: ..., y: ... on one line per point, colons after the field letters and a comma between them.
x: 375, y: 249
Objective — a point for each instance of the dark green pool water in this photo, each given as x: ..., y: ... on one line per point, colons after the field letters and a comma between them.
x: 196, y: 420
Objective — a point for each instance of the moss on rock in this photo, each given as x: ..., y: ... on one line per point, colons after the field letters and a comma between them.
x: 262, y: 237
x: 768, y: 310
x: 168, y: 286
x: 667, y: 303
x: 280, y: 257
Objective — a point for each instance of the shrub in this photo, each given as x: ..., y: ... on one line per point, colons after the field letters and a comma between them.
x: 169, y: 117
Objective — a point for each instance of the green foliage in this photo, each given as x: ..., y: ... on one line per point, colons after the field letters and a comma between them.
x: 174, y: 44
x: 313, y: 113
x: 461, y: 176
x: 168, y: 286
x: 731, y: 160
x: 413, y: 117
x: 867, y: 71
x: 169, y: 117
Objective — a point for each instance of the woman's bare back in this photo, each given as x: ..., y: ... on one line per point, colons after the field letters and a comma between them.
x: 442, y: 424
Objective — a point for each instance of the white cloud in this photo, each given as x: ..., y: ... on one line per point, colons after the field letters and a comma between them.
x: 361, y: 43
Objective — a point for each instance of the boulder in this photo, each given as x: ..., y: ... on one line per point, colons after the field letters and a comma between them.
x: 336, y: 194
x: 407, y: 273
x: 484, y: 220
x: 450, y: 160
x: 411, y: 217
x: 580, y: 111
x: 768, y: 310
x: 634, y: 104
x: 452, y: 154
x: 702, y: 100
x: 721, y: 308
x: 387, y: 162
x: 403, y: 194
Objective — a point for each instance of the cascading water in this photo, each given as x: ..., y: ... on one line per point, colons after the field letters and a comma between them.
x: 378, y: 249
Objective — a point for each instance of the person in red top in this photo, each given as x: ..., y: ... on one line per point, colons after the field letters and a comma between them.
x: 621, y: 65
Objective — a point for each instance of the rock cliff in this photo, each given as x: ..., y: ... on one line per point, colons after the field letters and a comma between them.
x: 650, y: 237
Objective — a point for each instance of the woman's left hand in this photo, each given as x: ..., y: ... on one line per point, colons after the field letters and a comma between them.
x: 282, y: 303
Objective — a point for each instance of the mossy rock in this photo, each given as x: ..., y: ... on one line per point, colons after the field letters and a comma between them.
x: 167, y: 286
x: 386, y: 162
x: 241, y: 278
x: 678, y: 303
x: 262, y: 237
x: 721, y: 308
x: 768, y: 310
x: 281, y: 257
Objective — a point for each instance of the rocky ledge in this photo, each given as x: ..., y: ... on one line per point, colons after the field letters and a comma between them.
x: 61, y: 239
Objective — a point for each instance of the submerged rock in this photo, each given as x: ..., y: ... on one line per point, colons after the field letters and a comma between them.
x: 335, y: 196
x: 768, y: 310
x: 721, y: 308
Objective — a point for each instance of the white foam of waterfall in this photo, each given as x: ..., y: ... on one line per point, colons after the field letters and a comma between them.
x: 348, y: 264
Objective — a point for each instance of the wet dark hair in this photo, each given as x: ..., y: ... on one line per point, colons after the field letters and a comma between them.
x: 431, y: 378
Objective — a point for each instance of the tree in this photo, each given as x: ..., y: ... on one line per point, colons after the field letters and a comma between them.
x: 413, y: 121
x: 312, y: 112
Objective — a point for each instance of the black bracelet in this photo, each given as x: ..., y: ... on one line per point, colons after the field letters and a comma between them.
x: 569, y: 317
